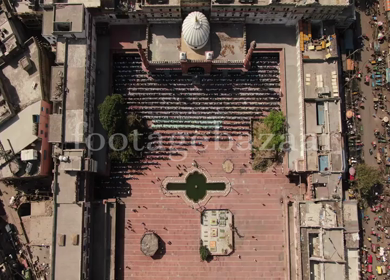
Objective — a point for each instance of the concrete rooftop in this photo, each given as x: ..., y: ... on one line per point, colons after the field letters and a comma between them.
x: 19, y: 129
x: 165, y: 42
x: 23, y: 87
x: 68, y: 257
x: 73, y: 13
x: 319, y: 75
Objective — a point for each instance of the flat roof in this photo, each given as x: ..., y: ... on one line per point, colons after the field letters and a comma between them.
x: 165, y: 42
x: 5, y: 25
x: 325, y: 214
x: 353, y: 258
x: 75, y: 85
x: 23, y: 87
x: 87, y: 3
x: 320, y: 75
x: 327, y: 184
x: 334, y: 270
x: 55, y: 126
x: 264, y: 3
x: 19, y: 129
x: 47, y: 22
x: 227, y: 41
x: 56, y: 90
x: 333, y: 242
x: 67, y: 186
x: 68, y: 258
x: 23, y: 6
x: 74, y: 121
x: 351, y: 221
x: 73, y: 13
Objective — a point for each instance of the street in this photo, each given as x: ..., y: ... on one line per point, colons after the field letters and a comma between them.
x: 369, y: 122
x: 371, y: 119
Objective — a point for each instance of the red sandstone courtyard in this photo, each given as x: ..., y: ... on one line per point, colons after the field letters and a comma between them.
x: 257, y: 200
x: 259, y: 217
x: 217, y: 113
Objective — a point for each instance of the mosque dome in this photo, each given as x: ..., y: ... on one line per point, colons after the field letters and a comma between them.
x: 196, y: 30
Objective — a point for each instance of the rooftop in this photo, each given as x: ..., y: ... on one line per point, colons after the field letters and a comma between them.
x: 8, y: 37
x: 69, y: 257
x: 19, y: 130
x: 321, y: 79
x: 23, y: 86
x: 68, y: 18
x: 23, y: 6
x: 47, y: 22
x: 39, y: 223
x: 86, y: 3
x: 319, y: 40
x: 325, y: 214
x: 226, y: 41
x: 265, y: 3
x: 167, y: 36
x: 77, y: 52
x: 327, y: 185
x: 67, y: 186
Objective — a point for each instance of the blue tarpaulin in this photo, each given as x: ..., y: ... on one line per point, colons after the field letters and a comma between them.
x: 323, y: 163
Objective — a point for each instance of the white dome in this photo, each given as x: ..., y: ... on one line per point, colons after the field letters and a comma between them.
x: 196, y: 30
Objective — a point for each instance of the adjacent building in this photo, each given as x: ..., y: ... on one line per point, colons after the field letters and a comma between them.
x: 24, y: 147
x: 325, y: 240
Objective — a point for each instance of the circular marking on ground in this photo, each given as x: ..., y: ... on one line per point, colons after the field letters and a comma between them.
x: 228, y: 166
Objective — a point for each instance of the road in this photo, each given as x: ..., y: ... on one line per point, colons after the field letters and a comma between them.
x: 368, y: 121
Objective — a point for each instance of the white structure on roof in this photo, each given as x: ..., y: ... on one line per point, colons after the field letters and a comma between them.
x: 27, y: 155
x: 196, y: 30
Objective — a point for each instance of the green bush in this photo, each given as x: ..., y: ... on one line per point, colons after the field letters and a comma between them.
x: 204, y: 252
x: 276, y: 123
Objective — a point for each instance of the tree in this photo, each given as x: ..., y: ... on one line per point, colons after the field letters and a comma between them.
x: 112, y: 114
x: 276, y: 124
x: 366, y: 178
x: 204, y: 252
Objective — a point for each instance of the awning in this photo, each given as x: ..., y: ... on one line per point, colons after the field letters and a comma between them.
x: 387, y: 75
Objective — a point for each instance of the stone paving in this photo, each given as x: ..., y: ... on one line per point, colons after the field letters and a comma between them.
x: 255, y: 201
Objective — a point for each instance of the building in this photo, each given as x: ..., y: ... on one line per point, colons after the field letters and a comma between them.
x: 24, y: 128
x: 28, y: 12
x: 70, y: 29
x: 326, y: 240
x: 215, y: 37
